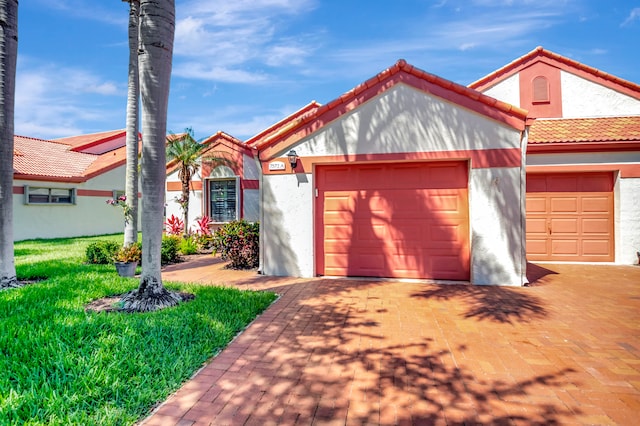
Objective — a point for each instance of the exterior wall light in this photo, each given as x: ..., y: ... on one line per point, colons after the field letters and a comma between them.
x: 293, y: 159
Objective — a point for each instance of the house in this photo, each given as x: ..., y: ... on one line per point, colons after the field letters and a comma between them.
x: 60, y: 186
x: 409, y: 175
x: 227, y: 191
x: 224, y: 192
x: 583, y: 157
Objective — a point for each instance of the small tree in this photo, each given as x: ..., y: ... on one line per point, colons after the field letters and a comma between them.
x: 186, y: 152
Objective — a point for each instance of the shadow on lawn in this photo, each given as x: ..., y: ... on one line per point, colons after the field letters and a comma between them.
x: 331, y: 354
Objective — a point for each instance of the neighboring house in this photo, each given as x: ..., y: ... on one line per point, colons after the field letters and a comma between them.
x: 224, y: 192
x: 583, y: 157
x: 409, y: 175
x: 60, y: 186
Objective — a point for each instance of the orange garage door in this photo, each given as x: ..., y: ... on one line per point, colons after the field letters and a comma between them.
x: 408, y: 220
x: 570, y: 217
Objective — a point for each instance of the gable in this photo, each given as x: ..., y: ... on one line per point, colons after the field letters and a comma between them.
x: 571, y: 87
x: 405, y: 85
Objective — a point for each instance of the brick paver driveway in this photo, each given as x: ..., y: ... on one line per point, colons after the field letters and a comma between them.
x: 565, y: 350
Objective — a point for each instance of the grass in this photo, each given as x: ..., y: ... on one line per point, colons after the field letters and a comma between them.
x: 62, y: 365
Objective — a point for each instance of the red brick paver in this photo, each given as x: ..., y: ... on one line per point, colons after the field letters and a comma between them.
x: 565, y: 350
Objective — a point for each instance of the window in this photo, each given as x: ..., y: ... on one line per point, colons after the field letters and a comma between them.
x: 540, y: 90
x: 223, y: 199
x: 35, y: 195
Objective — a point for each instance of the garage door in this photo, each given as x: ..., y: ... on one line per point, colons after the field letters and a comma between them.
x: 408, y: 220
x: 570, y: 217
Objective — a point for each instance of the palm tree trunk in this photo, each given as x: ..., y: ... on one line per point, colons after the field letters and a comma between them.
x: 157, y: 28
x: 133, y: 96
x: 8, y: 56
x: 186, y: 179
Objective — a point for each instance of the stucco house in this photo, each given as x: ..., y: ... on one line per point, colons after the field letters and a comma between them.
x: 583, y: 157
x: 409, y: 175
x: 224, y: 192
x: 60, y: 186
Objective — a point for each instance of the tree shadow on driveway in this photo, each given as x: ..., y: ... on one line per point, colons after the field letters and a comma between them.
x: 491, y: 303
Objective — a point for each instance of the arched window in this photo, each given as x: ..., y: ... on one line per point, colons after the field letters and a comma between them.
x: 540, y: 90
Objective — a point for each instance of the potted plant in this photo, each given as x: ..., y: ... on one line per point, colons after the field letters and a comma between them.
x: 126, y: 259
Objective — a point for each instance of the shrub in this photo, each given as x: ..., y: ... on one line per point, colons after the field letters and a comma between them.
x: 237, y: 241
x: 130, y: 253
x: 101, y: 252
x: 188, y: 245
x: 169, y: 249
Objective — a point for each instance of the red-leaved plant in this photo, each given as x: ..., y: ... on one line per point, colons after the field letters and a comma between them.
x: 174, y: 225
x: 203, y: 225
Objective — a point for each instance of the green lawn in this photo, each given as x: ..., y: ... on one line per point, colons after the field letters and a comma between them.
x: 62, y: 365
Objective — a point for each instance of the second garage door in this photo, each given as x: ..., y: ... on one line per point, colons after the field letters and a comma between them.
x: 408, y: 220
x: 570, y: 217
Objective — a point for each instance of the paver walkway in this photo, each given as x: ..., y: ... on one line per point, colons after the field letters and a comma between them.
x: 565, y: 350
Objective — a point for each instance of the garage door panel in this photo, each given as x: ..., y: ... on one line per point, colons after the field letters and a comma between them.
x: 565, y: 226
x: 570, y: 217
x: 596, y: 226
x: 565, y: 247
x: 400, y: 217
x: 448, y: 233
x: 536, y: 204
x: 536, y: 225
x: 596, y: 204
x: 536, y: 247
x: 564, y: 205
x: 367, y: 233
x: 595, y: 248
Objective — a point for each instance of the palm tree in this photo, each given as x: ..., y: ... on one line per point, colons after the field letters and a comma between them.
x: 185, y: 151
x: 8, y: 56
x: 157, y: 29
x: 133, y: 96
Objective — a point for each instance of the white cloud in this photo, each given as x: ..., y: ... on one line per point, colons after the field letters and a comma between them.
x: 634, y: 15
x: 235, y: 41
x: 52, y: 101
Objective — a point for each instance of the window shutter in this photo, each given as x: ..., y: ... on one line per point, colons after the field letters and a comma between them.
x: 540, y: 89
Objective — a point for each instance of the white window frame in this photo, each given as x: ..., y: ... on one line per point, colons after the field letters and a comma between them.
x: 237, y: 198
x: 51, y: 198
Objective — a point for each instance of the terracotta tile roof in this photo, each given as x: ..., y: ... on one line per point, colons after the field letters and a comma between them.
x: 569, y: 65
x: 48, y: 159
x: 572, y: 130
x: 83, y: 141
x: 54, y: 161
x: 285, y: 123
x: 291, y: 130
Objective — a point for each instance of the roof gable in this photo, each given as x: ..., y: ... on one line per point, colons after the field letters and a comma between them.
x: 540, y: 54
x: 228, y: 142
x: 95, y: 143
x: 400, y: 73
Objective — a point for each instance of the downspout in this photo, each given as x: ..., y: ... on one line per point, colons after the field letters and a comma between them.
x: 256, y: 154
x: 523, y: 206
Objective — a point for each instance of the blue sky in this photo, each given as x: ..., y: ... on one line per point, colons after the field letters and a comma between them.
x: 241, y: 65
